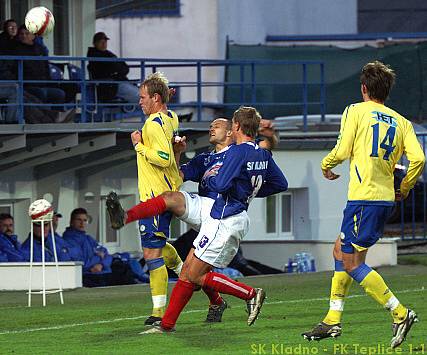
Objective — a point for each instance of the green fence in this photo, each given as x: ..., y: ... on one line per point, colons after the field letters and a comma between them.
x: 342, y: 69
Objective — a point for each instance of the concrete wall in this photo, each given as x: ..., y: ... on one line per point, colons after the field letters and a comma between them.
x: 202, y: 28
x: 16, y: 276
x: 192, y: 35
x: 317, y: 203
x: 252, y: 22
x: 277, y: 254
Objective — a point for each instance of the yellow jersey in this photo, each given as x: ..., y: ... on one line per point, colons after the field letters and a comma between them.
x: 374, y: 137
x: 157, y: 170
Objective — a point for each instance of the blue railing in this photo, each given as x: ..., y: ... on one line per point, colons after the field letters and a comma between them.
x: 201, y: 70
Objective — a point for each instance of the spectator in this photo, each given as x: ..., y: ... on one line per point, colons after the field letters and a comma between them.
x: 64, y: 251
x: 9, y: 244
x: 98, y: 266
x: 56, y: 217
x: 8, y: 36
x: 110, y: 71
x: 37, y: 70
x: 32, y: 114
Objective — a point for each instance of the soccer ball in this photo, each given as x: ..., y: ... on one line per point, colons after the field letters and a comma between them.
x: 39, y: 20
x: 41, y: 210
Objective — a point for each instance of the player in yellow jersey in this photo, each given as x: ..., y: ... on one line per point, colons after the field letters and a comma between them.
x: 157, y: 173
x: 373, y: 137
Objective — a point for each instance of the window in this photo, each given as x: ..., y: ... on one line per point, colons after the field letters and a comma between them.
x: 6, y: 208
x: 137, y: 8
x: 279, y: 215
x: 61, y: 34
x: 18, y: 9
x: 109, y: 237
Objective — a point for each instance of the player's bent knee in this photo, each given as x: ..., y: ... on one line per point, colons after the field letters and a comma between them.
x: 175, y: 202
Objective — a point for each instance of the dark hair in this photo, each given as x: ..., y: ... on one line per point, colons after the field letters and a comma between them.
x: 22, y: 27
x: 6, y: 23
x: 157, y: 83
x: 378, y: 79
x: 4, y: 216
x: 76, y: 212
x: 249, y: 119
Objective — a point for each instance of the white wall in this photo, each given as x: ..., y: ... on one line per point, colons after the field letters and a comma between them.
x: 317, y: 202
x: 250, y: 21
x: 192, y: 35
x: 202, y: 28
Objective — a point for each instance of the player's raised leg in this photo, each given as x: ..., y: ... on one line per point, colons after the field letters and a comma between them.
x: 167, y: 201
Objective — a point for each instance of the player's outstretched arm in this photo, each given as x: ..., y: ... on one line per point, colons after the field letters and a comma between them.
x: 344, y: 145
x: 416, y: 158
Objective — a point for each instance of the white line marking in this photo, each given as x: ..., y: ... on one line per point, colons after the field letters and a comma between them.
x: 73, y: 325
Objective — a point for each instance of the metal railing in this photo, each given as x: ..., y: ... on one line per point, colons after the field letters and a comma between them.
x: 412, y: 212
x: 201, y: 70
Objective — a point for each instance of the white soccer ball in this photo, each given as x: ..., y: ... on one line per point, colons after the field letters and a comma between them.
x: 41, y: 210
x: 39, y: 20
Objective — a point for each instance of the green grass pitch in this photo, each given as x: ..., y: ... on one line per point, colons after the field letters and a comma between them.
x: 107, y: 321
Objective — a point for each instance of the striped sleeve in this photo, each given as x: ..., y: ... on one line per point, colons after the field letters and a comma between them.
x: 344, y: 145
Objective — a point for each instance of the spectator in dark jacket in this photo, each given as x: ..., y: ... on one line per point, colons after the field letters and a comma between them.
x: 33, y: 113
x: 37, y: 69
x: 9, y: 244
x: 8, y: 36
x: 64, y: 251
x: 110, y: 71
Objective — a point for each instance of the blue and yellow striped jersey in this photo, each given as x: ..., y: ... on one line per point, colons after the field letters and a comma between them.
x: 157, y: 170
x: 374, y: 137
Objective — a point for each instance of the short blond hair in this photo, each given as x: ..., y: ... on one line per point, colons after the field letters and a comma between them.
x: 249, y: 119
x: 157, y: 83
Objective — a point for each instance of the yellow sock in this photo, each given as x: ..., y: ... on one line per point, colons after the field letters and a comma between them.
x: 375, y: 286
x: 172, y: 259
x: 340, y: 286
x: 158, y: 285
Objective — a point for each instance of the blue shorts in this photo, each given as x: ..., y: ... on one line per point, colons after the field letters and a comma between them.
x: 154, y: 231
x: 363, y: 225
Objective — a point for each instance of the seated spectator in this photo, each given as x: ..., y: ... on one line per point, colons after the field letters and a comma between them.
x: 110, y: 71
x: 8, y: 36
x: 9, y: 93
x: 64, y: 251
x: 56, y: 217
x: 9, y: 244
x: 37, y: 70
x: 99, y: 268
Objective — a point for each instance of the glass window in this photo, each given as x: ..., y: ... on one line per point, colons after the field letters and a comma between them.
x: 61, y: 33
x: 2, y: 12
x: 105, y: 8
x: 18, y: 9
x: 6, y: 209
x: 279, y: 214
x: 286, y: 213
x: 271, y: 214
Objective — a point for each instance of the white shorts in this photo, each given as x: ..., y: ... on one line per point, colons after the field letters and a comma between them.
x: 218, y: 239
